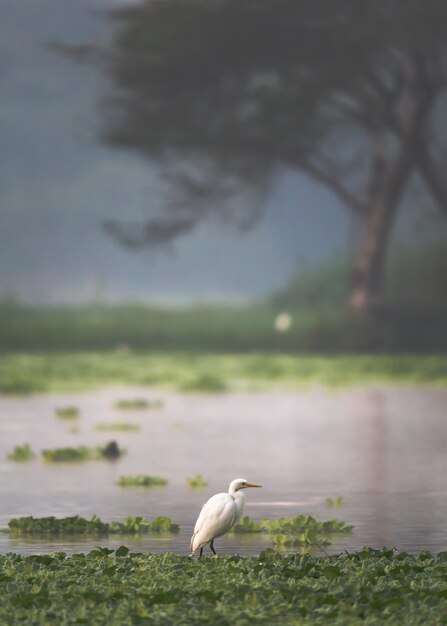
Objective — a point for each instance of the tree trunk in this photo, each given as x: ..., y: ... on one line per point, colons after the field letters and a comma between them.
x: 367, y: 276
x: 388, y: 186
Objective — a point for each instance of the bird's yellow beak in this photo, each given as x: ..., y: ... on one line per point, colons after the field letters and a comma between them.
x: 252, y: 485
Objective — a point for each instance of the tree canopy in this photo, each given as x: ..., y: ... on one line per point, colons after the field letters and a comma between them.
x: 223, y: 94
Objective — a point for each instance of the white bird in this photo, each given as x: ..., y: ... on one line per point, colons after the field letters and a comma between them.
x: 219, y: 514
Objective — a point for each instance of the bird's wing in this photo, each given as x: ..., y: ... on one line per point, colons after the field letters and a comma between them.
x: 216, y: 518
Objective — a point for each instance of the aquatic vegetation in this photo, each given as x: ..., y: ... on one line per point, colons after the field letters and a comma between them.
x: 163, y: 524
x: 21, y: 454
x: 295, y: 531
x: 204, y: 383
x: 141, y: 481
x: 118, y: 426
x: 82, y: 453
x: 27, y: 373
x: 19, y: 380
x: 77, y: 525
x: 67, y: 412
x: 197, y: 482
x: 122, y: 588
x: 335, y: 502
x: 138, y: 403
x: 68, y: 454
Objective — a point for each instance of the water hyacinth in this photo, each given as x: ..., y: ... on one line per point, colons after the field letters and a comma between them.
x: 82, y: 453
x: 137, y: 403
x: 197, y: 482
x: 295, y: 531
x: 67, y: 412
x: 76, y: 525
x: 118, y: 427
x: 141, y: 481
x: 21, y: 454
x: 121, y: 588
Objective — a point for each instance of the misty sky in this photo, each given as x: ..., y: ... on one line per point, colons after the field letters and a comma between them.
x: 57, y: 183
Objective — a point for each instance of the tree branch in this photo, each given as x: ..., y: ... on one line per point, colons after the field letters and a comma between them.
x: 356, y: 205
x: 432, y: 176
x: 155, y: 232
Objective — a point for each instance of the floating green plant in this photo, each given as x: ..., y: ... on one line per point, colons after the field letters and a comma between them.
x: 124, y: 588
x: 21, y: 454
x: 141, y: 481
x: 67, y: 412
x: 197, y: 482
x: 335, y: 502
x: 138, y: 403
x: 118, y: 426
x: 82, y: 453
x: 77, y: 525
x: 204, y: 383
x: 295, y: 531
x: 32, y: 372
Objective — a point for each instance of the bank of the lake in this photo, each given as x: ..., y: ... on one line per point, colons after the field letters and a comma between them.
x: 128, y: 589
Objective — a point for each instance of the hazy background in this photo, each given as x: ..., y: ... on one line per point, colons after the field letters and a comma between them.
x: 57, y: 182
x: 60, y: 182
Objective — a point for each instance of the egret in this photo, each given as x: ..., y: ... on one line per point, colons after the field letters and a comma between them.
x: 219, y: 514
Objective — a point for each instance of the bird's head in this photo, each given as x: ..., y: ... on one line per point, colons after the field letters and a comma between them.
x: 241, y: 483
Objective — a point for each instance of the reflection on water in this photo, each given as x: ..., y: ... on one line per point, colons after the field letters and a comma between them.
x: 382, y: 449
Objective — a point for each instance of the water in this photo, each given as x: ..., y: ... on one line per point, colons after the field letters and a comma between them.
x: 382, y: 449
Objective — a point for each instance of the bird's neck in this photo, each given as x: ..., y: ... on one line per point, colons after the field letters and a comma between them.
x: 239, y: 500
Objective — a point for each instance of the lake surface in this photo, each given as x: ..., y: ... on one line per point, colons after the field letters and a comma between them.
x: 383, y: 449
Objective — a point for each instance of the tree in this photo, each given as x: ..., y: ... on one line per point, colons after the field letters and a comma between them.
x: 223, y: 94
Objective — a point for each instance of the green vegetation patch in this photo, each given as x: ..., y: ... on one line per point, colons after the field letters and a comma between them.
x: 21, y: 454
x: 80, y: 371
x: 335, y: 502
x: 67, y: 412
x: 300, y: 530
x: 137, y: 403
x: 118, y: 426
x: 126, y: 589
x: 82, y: 453
x: 204, y: 383
x: 75, y: 525
x: 197, y: 482
x: 141, y: 481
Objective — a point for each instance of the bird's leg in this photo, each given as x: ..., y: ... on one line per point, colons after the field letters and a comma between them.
x: 201, y: 552
x: 212, y: 547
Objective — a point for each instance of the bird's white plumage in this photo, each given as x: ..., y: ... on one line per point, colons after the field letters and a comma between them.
x: 219, y: 514
x: 217, y: 517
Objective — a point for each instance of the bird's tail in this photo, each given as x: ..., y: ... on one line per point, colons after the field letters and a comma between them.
x: 191, y: 546
x: 196, y: 544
